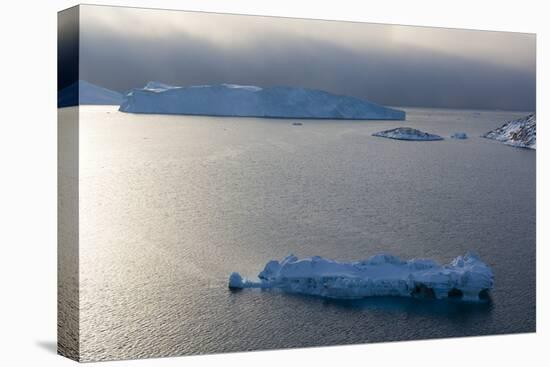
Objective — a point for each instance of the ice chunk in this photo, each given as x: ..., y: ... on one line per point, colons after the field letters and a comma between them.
x: 466, y: 277
x: 459, y: 135
x: 520, y: 133
x: 407, y: 133
x: 252, y: 101
x: 236, y: 281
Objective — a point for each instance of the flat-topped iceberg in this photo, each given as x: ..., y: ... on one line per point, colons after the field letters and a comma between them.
x: 466, y: 277
x: 520, y: 133
x: 252, y: 101
x: 407, y: 133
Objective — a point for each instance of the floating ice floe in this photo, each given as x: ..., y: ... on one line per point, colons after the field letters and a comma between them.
x: 252, y: 101
x: 520, y: 133
x: 465, y: 278
x: 459, y: 135
x: 407, y: 133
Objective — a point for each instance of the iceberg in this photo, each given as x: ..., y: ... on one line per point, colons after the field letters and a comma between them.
x: 252, y: 101
x: 520, y: 133
x: 459, y: 135
x: 86, y: 93
x: 407, y: 133
x: 465, y: 278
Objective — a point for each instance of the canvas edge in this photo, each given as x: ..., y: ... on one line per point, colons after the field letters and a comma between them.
x: 68, y: 318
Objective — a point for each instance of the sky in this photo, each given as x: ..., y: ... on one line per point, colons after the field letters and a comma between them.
x: 124, y: 48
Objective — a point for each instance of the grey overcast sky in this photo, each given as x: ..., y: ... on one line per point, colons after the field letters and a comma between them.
x: 124, y: 48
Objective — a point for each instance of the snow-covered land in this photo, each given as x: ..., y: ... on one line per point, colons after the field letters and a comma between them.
x: 252, y: 101
x: 466, y: 277
x: 459, y: 135
x: 83, y: 92
x: 407, y: 133
x: 519, y: 133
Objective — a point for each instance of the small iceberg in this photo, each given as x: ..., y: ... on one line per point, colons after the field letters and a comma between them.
x: 465, y: 278
x: 459, y: 135
x: 521, y: 133
x: 407, y: 133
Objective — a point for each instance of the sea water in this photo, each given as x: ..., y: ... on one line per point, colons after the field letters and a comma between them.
x: 171, y: 205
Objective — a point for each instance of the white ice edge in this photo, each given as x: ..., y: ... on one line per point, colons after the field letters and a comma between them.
x: 466, y: 277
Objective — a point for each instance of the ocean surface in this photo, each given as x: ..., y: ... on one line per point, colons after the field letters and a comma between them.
x: 171, y: 205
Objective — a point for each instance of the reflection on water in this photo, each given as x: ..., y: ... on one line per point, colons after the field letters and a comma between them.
x: 445, y: 308
x: 411, y: 306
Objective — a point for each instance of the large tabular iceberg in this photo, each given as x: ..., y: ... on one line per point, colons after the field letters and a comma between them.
x: 466, y: 277
x: 407, y: 133
x: 252, y: 101
x: 520, y: 133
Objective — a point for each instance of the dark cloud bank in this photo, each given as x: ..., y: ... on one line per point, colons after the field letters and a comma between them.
x: 405, y: 76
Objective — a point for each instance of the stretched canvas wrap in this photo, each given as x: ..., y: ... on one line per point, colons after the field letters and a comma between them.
x: 234, y: 183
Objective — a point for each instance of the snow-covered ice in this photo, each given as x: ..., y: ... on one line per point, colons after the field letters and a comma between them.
x: 466, y: 277
x: 252, y: 101
x: 520, y: 133
x: 459, y: 135
x: 158, y: 87
x: 407, y: 133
